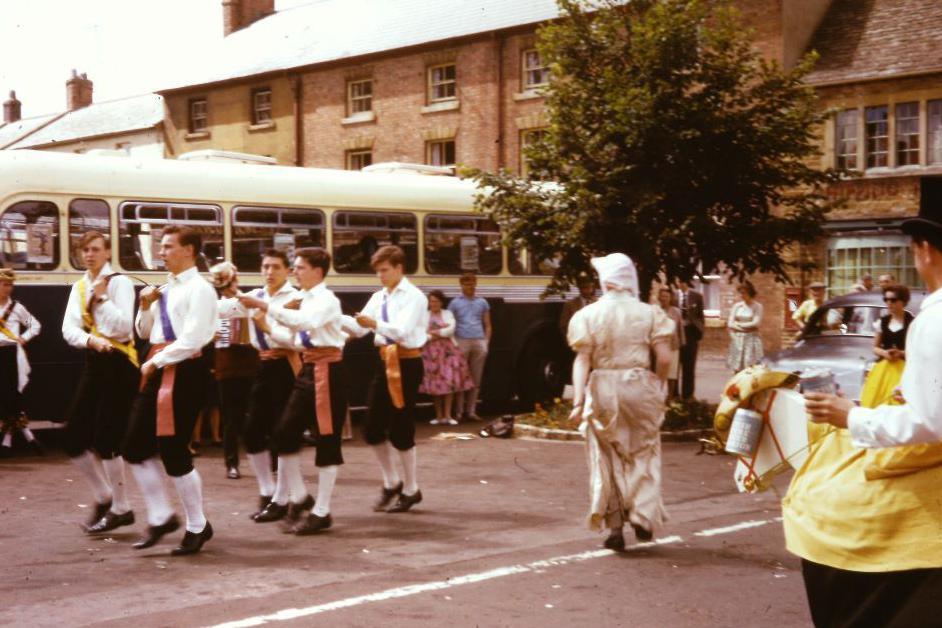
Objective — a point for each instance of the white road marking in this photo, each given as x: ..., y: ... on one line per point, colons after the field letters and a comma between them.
x: 499, y: 572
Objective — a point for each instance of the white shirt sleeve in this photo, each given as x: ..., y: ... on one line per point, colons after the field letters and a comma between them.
x: 231, y: 307
x: 30, y: 322
x: 199, y: 326
x: 145, y: 321
x: 409, y: 314
x: 313, y: 314
x: 73, y: 330
x: 115, y: 316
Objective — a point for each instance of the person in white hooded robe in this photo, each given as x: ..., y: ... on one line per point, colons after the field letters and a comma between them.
x: 619, y: 402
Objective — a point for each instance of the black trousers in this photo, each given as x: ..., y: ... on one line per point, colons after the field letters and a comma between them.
x: 9, y: 383
x: 189, y: 396
x: 688, y: 364
x: 894, y: 599
x: 383, y: 420
x: 300, y: 411
x: 233, y: 411
x: 270, y: 392
x: 98, y: 417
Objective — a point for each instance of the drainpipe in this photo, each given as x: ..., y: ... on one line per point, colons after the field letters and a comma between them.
x: 501, y: 113
x: 296, y: 88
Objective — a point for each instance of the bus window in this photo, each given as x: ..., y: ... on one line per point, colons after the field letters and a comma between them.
x: 521, y: 262
x: 357, y: 235
x: 455, y: 244
x: 29, y: 236
x: 142, y: 223
x: 86, y: 214
x: 257, y: 229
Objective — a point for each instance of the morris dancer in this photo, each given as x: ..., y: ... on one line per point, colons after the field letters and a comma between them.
x: 17, y: 327
x: 272, y: 385
x: 620, y: 402
x: 173, y: 389
x: 320, y: 393
x: 236, y: 366
x: 99, y: 319
x: 398, y: 316
x: 866, y: 522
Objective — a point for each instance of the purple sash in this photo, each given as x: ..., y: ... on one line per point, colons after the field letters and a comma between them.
x: 165, y: 324
x: 259, y: 335
x: 305, y: 339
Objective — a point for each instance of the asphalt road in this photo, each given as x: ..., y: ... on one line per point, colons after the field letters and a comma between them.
x: 498, y: 541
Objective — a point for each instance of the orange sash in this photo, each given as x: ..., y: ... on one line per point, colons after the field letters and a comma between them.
x: 391, y: 354
x: 321, y: 358
x: 276, y: 354
x: 165, y: 393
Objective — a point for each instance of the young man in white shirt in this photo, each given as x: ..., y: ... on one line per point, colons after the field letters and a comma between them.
x: 398, y: 317
x: 179, y: 319
x: 17, y: 327
x: 313, y: 328
x: 275, y: 378
x: 99, y: 319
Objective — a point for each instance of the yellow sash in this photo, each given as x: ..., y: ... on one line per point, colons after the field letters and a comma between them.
x: 90, y: 326
x: 3, y: 323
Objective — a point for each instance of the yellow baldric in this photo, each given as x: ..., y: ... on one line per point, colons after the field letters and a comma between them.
x: 89, y: 321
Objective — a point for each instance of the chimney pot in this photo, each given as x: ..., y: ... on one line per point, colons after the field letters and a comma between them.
x: 12, y: 109
x: 237, y: 14
x: 78, y: 91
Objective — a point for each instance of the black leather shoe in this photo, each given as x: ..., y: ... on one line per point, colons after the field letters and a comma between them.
x: 313, y: 524
x: 263, y: 501
x: 100, y: 511
x: 615, y: 541
x: 272, y: 512
x: 296, y: 511
x: 154, y: 533
x: 233, y: 473
x: 111, y: 521
x: 193, y: 541
x: 406, y: 502
x: 642, y: 534
x: 386, y: 497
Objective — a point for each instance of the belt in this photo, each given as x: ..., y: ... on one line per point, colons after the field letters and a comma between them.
x: 290, y: 355
x: 321, y: 358
x: 165, y: 393
x: 391, y: 354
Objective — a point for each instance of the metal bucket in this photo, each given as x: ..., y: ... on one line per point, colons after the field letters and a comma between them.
x: 744, y: 433
x: 818, y: 380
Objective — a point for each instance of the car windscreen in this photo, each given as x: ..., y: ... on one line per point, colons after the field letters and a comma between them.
x: 849, y: 320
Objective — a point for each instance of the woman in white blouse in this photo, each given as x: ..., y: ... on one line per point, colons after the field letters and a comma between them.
x: 446, y: 370
x: 745, y: 347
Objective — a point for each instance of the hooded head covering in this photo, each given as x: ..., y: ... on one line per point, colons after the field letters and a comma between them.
x: 223, y: 273
x: 7, y: 274
x: 617, y: 272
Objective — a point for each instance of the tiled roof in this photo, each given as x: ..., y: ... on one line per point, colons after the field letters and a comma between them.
x: 10, y: 133
x: 869, y: 39
x: 105, y: 118
x: 336, y: 29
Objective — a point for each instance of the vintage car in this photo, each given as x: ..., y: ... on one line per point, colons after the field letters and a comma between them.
x: 839, y: 336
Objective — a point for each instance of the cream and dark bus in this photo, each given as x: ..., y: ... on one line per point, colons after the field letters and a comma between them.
x: 47, y: 200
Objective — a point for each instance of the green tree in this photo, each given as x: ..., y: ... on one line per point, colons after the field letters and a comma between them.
x: 671, y: 139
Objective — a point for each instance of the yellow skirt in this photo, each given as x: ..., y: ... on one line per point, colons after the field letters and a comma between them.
x: 882, y: 380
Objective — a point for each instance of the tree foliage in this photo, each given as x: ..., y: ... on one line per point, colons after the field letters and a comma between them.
x: 671, y: 139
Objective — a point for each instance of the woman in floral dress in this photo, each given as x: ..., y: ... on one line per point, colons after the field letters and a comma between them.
x: 745, y: 343
x: 446, y: 370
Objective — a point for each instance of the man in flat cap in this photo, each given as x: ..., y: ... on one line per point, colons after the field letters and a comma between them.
x: 816, y: 293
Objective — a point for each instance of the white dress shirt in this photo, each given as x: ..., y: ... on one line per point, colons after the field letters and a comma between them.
x: 191, y: 305
x: 320, y: 316
x: 114, y: 317
x: 407, y: 311
x: 919, y: 420
x: 232, y: 308
x: 23, y: 324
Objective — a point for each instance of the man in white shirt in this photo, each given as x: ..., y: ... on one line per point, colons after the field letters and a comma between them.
x: 17, y: 327
x: 398, y: 317
x: 179, y: 319
x: 272, y: 384
x: 99, y: 319
x: 319, y: 397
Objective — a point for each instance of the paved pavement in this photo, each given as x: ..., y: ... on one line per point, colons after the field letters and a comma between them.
x: 498, y: 541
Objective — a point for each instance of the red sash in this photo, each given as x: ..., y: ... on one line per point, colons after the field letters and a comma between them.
x: 321, y: 358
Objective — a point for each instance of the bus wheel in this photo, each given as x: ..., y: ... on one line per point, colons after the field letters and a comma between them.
x: 542, y: 370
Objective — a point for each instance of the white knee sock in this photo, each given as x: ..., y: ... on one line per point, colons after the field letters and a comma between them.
x: 114, y: 471
x: 409, y: 467
x: 8, y: 439
x: 190, y: 489
x: 289, y: 468
x: 28, y: 434
x: 384, y: 455
x: 261, y: 464
x: 91, y: 467
x: 150, y: 479
x: 326, y: 478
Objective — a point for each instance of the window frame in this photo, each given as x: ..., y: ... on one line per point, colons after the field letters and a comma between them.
x: 54, y: 212
x: 872, y: 242
x: 351, y: 154
x: 74, y: 258
x: 352, y: 99
x: 873, y: 139
x: 430, y: 144
x: 279, y: 223
x: 261, y: 110
x: 334, y: 224
x: 426, y: 229
x: 524, y: 134
x: 847, y: 159
x: 202, y: 117
x: 169, y: 206
x: 526, y: 70
x: 432, y: 84
x: 912, y: 137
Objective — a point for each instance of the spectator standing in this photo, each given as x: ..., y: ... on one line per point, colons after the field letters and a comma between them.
x: 691, y: 310
x: 816, y: 292
x: 885, y: 281
x: 446, y: 370
x: 745, y: 347
x: 889, y: 345
x: 473, y: 334
x: 586, y: 285
x: 864, y: 284
x: 665, y: 298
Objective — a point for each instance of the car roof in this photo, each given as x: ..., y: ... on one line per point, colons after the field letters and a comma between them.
x: 874, y: 298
